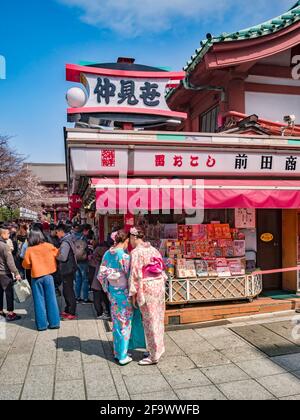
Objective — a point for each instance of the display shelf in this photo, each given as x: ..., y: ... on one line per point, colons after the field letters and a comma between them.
x: 213, y: 289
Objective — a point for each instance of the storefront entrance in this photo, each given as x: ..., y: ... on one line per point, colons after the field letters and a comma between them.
x: 269, y: 253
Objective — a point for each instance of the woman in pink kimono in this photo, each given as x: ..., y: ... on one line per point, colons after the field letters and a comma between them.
x: 147, y: 288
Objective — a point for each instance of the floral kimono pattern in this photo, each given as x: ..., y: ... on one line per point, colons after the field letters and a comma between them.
x: 115, y: 265
x: 150, y: 294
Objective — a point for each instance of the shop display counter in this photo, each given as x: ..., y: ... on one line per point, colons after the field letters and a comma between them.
x: 213, y: 289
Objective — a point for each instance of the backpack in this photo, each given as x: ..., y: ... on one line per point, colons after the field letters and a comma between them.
x: 81, y: 250
x: 70, y: 266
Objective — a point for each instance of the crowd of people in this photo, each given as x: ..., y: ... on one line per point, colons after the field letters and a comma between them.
x: 125, y: 274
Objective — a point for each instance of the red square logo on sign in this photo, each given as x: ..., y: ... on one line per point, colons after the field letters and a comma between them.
x: 108, y: 158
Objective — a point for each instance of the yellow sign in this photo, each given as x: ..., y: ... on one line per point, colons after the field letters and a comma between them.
x: 267, y: 237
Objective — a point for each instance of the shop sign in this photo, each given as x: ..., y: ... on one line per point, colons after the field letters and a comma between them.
x: 106, y: 161
x: 28, y: 214
x: 75, y: 202
x: 245, y: 218
x: 267, y: 237
x: 195, y: 162
x: 111, y: 90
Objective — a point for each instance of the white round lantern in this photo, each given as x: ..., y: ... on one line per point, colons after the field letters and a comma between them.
x: 76, y: 97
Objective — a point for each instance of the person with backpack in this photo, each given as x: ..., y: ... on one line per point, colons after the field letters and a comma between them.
x: 82, y: 285
x: 67, y: 269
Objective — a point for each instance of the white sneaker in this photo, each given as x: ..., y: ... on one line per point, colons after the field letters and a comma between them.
x: 125, y: 361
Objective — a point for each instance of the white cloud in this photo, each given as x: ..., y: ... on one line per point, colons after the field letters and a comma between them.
x: 133, y: 17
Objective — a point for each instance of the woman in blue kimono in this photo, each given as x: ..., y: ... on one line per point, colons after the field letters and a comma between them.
x: 113, y: 276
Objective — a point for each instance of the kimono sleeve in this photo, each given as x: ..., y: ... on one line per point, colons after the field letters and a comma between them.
x: 125, y: 264
x: 102, y: 274
x: 134, y: 278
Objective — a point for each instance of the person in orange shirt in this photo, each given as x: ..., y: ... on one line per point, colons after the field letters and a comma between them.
x: 40, y: 258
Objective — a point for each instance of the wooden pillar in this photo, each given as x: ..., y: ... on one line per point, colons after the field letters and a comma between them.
x: 289, y: 247
x: 236, y: 95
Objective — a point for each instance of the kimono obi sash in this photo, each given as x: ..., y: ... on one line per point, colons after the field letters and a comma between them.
x: 114, y: 277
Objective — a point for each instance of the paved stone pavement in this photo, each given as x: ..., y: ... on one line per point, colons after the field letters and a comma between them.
x: 76, y: 363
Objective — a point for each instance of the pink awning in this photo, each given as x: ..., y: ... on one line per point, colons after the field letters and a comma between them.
x: 163, y: 194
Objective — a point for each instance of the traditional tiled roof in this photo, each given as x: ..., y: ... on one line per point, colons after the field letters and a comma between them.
x: 274, y: 25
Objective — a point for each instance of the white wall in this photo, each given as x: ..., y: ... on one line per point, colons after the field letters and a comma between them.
x: 272, y: 106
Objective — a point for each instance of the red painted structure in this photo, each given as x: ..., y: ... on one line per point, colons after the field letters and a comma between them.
x: 251, y: 64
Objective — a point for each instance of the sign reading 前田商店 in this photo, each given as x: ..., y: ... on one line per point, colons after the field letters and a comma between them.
x: 176, y: 162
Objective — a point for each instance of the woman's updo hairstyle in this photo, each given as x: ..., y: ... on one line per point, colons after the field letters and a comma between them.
x: 121, y: 236
x: 138, y: 232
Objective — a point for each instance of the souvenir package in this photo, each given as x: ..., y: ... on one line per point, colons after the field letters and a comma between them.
x: 212, y: 268
x: 170, y: 267
x: 182, y: 233
x: 189, y: 232
x: 228, y: 252
x: 190, y: 249
x: 239, y: 248
x: 218, y: 252
x: 237, y: 267
x: 190, y: 269
x: 181, y: 268
x: 202, y: 236
x: 170, y: 231
x: 224, y: 243
x: 163, y: 247
x: 174, y: 249
x: 222, y: 267
x: 201, y: 268
x: 210, y: 232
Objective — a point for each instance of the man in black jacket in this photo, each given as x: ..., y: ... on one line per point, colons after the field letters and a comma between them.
x: 67, y: 269
x: 7, y: 270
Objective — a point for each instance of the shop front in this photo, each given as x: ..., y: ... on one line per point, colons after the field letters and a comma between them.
x: 219, y: 208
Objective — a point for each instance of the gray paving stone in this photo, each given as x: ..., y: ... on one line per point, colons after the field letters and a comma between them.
x: 99, y: 382
x: 134, y: 369
x: 68, y: 371
x: 245, y: 390
x: 14, y: 369
x: 39, y: 383
x: 156, y: 396
x: 227, y: 341
x: 290, y: 362
x: 92, y: 351
x: 260, y: 367
x: 243, y: 354
x: 224, y: 374
x: 10, y: 392
x: 175, y: 364
x: 43, y: 357
x: 201, y: 346
x: 137, y: 385
x: 212, y: 358
x: 204, y: 393
x: 187, y: 379
x: 284, y: 385
x: 293, y: 398
x: 70, y: 390
x: 108, y: 398
x: 172, y: 349
x: 184, y: 336
x: 214, y: 332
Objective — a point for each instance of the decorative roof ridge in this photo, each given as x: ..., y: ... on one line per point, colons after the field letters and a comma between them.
x: 266, y: 28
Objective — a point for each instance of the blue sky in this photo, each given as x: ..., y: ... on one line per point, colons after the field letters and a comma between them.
x: 37, y: 39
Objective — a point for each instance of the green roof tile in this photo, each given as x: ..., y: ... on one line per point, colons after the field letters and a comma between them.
x: 271, y: 26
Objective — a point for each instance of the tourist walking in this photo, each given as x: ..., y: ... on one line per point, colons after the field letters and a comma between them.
x: 40, y: 258
x: 147, y: 288
x: 8, y: 269
x: 67, y: 269
x: 101, y: 301
x: 82, y: 286
x: 113, y: 275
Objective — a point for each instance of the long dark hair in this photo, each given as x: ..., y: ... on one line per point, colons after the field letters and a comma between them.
x: 36, y: 237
